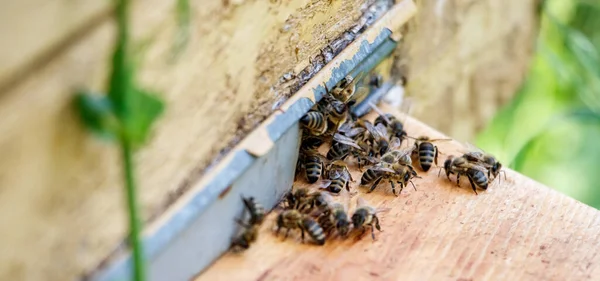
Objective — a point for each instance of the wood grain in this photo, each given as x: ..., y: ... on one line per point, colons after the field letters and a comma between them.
x: 516, y: 230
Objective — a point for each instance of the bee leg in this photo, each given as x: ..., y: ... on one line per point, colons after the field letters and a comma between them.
x: 374, y: 185
x: 286, y: 233
x: 393, y: 188
x: 436, y: 154
x: 372, y: 231
x: 349, y: 174
x: 457, y: 179
x: 472, y: 185
x: 348, y: 185
x: 376, y: 222
x: 302, y: 230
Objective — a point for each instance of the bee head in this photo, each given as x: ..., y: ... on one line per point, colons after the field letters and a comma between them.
x: 358, y: 218
x: 383, y: 147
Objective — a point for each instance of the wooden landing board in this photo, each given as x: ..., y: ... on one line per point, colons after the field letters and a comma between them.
x: 517, y: 229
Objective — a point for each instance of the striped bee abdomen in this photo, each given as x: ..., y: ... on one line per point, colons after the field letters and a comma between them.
x: 314, y: 166
x: 315, y: 231
x: 369, y: 176
x: 313, y: 120
x: 426, y: 155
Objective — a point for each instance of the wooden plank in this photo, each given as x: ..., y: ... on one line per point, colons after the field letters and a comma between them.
x: 517, y: 229
x: 31, y: 32
x: 60, y: 189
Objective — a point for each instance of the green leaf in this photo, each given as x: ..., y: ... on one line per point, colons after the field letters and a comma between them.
x: 144, y: 108
x: 96, y: 112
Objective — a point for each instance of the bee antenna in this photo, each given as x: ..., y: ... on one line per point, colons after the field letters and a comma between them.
x: 414, y: 185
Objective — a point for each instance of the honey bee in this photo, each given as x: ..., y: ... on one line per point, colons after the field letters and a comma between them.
x: 304, y: 200
x: 488, y: 161
x: 312, y: 162
x: 365, y: 215
x: 255, y: 209
x: 378, y: 137
x: 335, y: 218
x: 347, y: 89
x: 339, y: 177
x: 426, y: 152
x: 250, y: 229
x: 337, y: 113
x: 393, y: 124
x: 315, y: 122
x: 246, y: 238
x: 462, y: 167
x: 401, y: 174
x: 293, y: 219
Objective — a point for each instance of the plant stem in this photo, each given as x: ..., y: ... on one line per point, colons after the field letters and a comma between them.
x: 139, y: 271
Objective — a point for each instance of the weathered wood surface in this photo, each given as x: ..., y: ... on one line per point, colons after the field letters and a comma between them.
x: 516, y: 230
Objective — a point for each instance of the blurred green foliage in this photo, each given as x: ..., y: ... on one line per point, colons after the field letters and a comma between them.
x: 551, y: 129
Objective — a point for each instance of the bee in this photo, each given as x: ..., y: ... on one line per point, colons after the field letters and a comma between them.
x: 304, y: 200
x: 315, y: 122
x: 335, y: 218
x: 401, y: 174
x: 347, y: 89
x: 338, y: 114
x: 378, y: 137
x: 477, y: 156
x: 255, y: 209
x: 292, y: 219
x: 426, y: 152
x: 339, y: 177
x: 246, y: 238
x: 250, y: 229
x: 312, y: 162
x: 393, y: 124
x: 365, y: 215
x: 462, y: 167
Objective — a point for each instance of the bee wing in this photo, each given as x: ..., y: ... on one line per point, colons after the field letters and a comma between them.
x: 479, y: 166
x: 345, y: 140
x: 335, y: 174
x: 382, y: 130
x: 406, y: 152
x: 324, y: 183
x: 374, y: 131
x: 395, y: 143
x: 383, y: 169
